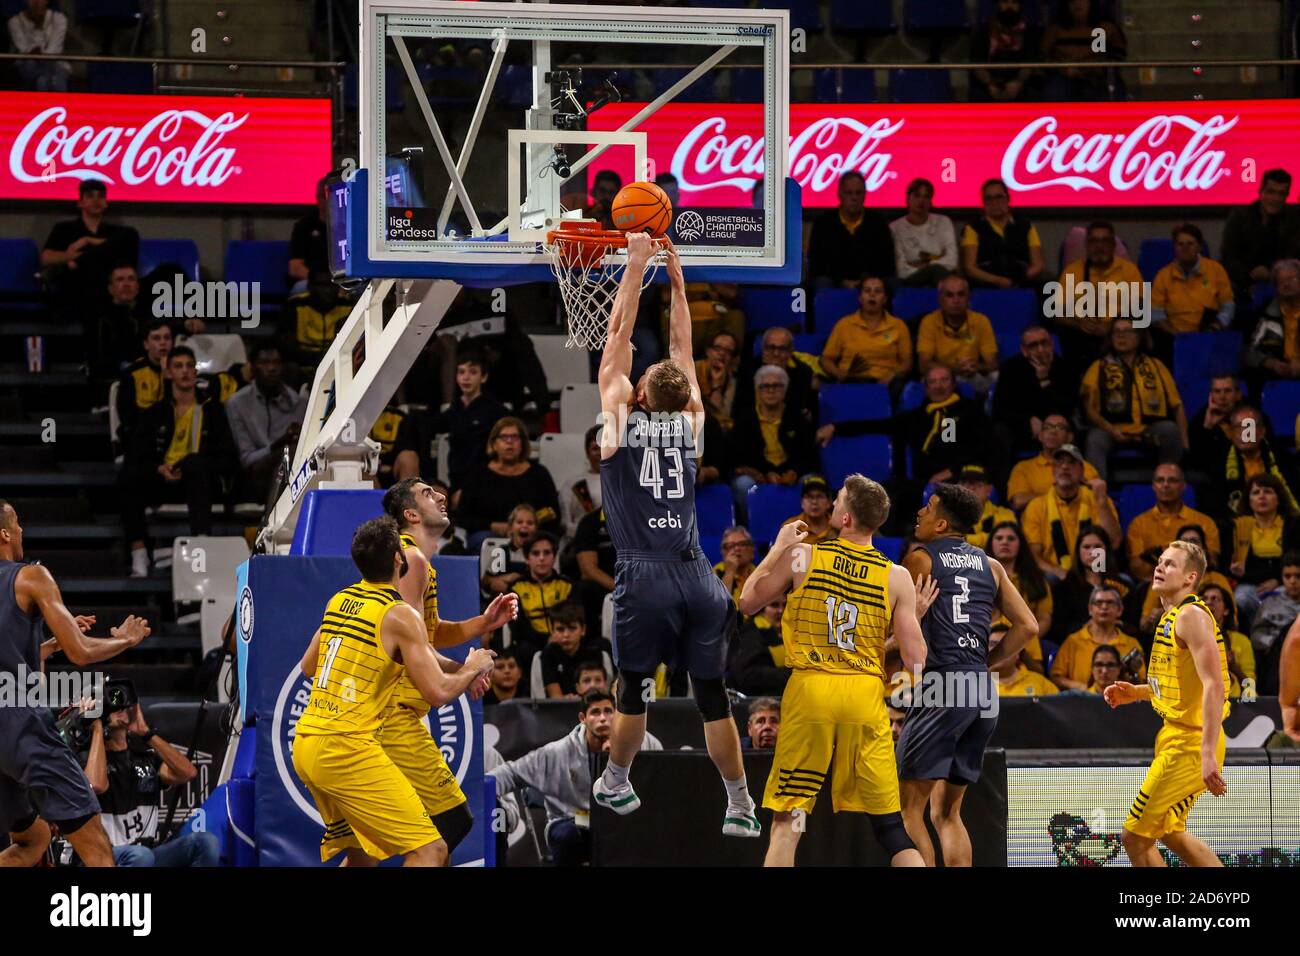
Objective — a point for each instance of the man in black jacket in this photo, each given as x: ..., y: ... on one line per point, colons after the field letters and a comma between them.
x: 758, y: 666
x: 1032, y: 385
x: 179, y: 451
x: 849, y: 241
x: 1257, y: 235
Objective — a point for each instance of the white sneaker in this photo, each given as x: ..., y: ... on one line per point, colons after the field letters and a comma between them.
x: 139, y: 563
x: 622, y: 801
x: 741, y: 822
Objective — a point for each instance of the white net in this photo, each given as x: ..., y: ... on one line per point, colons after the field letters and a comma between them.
x: 588, y: 276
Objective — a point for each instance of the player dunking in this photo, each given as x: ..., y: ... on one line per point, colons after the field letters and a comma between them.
x: 846, y: 599
x: 1187, y: 681
x: 668, y: 605
x: 368, y: 638
x: 941, y: 748
x: 421, y: 516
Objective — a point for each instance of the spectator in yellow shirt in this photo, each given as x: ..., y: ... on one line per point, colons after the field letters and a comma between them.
x: 1053, y: 521
x: 1000, y: 250
x: 1130, y: 398
x: 1241, y: 655
x: 815, y: 499
x: 955, y: 336
x: 1150, y: 532
x: 1072, y: 667
x: 1007, y: 543
x: 1014, y: 678
x: 1082, y: 334
x: 716, y: 374
x: 1152, y: 609
x: 976, y: 479
x: 1260, y: 536
x: 1033, y: 476
x: 1193, y: 292
x: 1105, y: 669
x: 869, y: 345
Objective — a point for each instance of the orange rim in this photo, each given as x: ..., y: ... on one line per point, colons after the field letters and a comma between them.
x: 590, y: 233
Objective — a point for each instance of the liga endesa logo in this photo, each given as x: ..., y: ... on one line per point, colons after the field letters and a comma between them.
x: 454, y: 725
x: 174, y: 144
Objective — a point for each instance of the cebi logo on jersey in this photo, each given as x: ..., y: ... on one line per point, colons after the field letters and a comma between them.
x: 451, y: 725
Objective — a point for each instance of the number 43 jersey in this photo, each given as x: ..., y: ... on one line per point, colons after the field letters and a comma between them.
x: 648, y: 486
x: 956, y: 627
x: 837, y: 621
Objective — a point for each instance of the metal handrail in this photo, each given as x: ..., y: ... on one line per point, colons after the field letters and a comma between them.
x: 966, y: 67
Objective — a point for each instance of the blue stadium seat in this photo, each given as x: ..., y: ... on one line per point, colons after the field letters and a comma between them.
x: 1008, y: 344
x: 120, y: 77
x: 769, y: 505
x: 711, y: 545
x: 20, y: 261
x: 831, y: 305
x: 703, y: 90
x: 257, y: 260
x: 1032, y: 9
x: 1154, y: 255
x: 913, y: 302
x: 935, y: 15
x: 844, y: 86
x: 920, y: 86
x: 715, y: 509
x: 914, y: 395
x: 1132, y: 501
x: 1009, y: 310
x: 181, y: 252
x: 892, y: 548
x: 854, y: 402
x: 866, y: 454
x: 1202, y: 354
x: 767, y: 307
x: 1281, y: 404
x: 810, y: 342
x: 805, y: 15
x: 869, y: 16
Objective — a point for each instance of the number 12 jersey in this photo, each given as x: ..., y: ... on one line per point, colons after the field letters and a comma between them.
x: 837, y: 621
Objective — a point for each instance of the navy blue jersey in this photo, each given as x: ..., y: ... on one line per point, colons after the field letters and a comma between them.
x: 20, y: 632
x: 647, y: 487
x: 956, y: 627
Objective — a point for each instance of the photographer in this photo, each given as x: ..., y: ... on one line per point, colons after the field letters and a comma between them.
x: 128, y: 765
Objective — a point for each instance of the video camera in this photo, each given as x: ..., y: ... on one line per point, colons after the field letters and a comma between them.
x: 75, y: 727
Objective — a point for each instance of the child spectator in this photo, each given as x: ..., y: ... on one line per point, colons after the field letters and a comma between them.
x: 522, y: 525
x: 540, y: 592
x: 569, y: 647
x: 506, y: 677
x: 468, y: 420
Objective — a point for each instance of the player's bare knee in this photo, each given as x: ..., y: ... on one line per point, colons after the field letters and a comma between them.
x: 431, y: 854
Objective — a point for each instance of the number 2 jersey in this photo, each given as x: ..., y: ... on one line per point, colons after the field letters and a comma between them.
x: 956, y: 627
x: 355, y: 678
x: 837, y: 621
x: 648, y: 486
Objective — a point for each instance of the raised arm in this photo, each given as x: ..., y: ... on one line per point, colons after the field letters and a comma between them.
x: 775, y: 574
x: 907, y: 629
x: 36, y: 588
x: 679, y: 326
x: 616, y: 360
x: 404, y: 638
x: 1024, y: 626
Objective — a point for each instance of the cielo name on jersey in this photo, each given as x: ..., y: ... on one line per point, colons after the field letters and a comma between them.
x: 955, y: 688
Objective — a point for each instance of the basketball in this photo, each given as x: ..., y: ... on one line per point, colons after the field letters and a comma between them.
x: 642, y: 207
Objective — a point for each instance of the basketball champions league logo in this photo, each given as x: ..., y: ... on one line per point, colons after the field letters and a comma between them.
x: 452, y: 722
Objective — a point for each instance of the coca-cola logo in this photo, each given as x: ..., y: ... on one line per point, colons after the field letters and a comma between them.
x: 707, y: 158
x: 1148, y: 157
x: 176, y: 144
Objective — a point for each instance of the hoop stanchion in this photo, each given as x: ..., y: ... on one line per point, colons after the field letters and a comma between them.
x: 588, y: 272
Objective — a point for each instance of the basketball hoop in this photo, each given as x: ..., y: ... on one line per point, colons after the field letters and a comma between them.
x: 588, y: 274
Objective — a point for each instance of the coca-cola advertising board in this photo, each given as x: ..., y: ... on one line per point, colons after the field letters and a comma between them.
x: 189, y: 149
x: 1050, y: 154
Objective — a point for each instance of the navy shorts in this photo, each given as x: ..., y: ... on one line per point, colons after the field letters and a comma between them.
x: 39, y: 773
x: 671, y: 611
x: 945, y: 742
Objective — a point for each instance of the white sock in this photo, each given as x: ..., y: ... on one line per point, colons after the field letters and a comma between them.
x: 615, y: 777
x: 738, y: 793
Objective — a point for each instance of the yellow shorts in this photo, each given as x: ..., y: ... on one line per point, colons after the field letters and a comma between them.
x: 362, y: 796
x: 407, y: 742
x: 1172, y: 783
x: 834, y: 722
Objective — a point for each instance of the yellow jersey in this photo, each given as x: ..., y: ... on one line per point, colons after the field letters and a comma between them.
x: 1171, y: 674
x: 355, y: 678
x: 407, y: 694
x: 838, y: 619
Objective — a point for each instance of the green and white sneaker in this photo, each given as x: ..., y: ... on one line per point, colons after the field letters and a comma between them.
x: 622, y: 801
x: 741, y: 822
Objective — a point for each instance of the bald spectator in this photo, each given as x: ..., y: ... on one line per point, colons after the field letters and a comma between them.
x: 955, y: 336
x: 1152, y: 530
